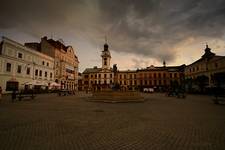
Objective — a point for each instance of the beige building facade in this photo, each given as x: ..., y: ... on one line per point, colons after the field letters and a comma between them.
x: 24, y: 66
x: 65, y: 61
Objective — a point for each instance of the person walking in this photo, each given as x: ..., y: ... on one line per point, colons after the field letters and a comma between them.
x: 0, y: 93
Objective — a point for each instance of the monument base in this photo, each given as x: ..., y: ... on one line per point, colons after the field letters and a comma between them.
x: 116, y: 97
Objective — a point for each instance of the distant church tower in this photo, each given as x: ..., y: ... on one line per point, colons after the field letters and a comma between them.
x: 106, y: 57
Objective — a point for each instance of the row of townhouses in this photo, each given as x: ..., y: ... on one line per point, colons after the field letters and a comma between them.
x: 50, y: 62
x: 209, y: 67
x: 37, y: 65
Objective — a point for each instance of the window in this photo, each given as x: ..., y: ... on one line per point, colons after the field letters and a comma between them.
x: 105, y: 75
x: 20, y: 55
x: 154, y: 75
x: 110, y: 81
x: 159, y: 75
x: 28, y: 71
x: 120, y: 76
x: 175, y: 75
x: 216, y: 65
x: 50, y: 75
x: 164, y: 82
x: 43, y: 62
x: 145, y: 75
x: 46, y: 74
x: 164, y: 75
x: 134, y: 76
x: 40, y: 73
x: 19, y: 69
x: 110, y: 75
x: 8, y: 67
x: 86, y: 76
x: 160, y: 82
x: 125, y: 76
x: 170, y: 75
x: 96, y: 76
x: 130, y: 76
x: 105, y: 61
x: 104, y: 81
x: 150, y: 82
x: 47, y: 64
x: 36, y: 72
x: 99, y: 75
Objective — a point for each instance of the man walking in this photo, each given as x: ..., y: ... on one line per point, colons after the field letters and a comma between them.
x: 0, y: 93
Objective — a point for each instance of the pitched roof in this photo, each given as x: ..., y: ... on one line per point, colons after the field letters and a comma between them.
x: 92, y: 70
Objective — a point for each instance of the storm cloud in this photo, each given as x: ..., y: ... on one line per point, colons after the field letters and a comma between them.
x: 146, y: 28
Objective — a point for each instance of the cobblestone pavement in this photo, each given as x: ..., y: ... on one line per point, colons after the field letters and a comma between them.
x: 161, y: 123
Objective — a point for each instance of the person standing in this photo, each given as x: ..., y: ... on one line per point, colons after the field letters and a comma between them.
x: 13, y: 95
x: 0, y: 93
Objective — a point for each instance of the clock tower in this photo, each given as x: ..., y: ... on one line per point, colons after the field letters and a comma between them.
x: 106, y: 57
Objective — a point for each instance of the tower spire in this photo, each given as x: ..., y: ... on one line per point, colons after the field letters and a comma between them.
x: 106, y: 46
x: 105, y: 39
x: 164, y: 63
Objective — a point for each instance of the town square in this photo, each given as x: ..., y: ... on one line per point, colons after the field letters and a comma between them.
x: 112, y: 75
x: 72, y: 122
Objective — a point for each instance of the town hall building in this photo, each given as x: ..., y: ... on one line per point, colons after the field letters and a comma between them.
x: 106, y: 77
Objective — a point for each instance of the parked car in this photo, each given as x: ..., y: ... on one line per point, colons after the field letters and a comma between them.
x: 148, y: 90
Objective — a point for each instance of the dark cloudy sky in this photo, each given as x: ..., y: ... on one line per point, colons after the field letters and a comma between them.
x: 140, y: 32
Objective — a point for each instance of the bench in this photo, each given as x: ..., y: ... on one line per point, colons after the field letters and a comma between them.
x: 21, y: 96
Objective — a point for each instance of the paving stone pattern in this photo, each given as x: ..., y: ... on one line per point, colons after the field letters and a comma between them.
x: 70, y: 122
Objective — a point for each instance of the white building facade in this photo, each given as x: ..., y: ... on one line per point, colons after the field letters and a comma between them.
x: 24, y: 65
